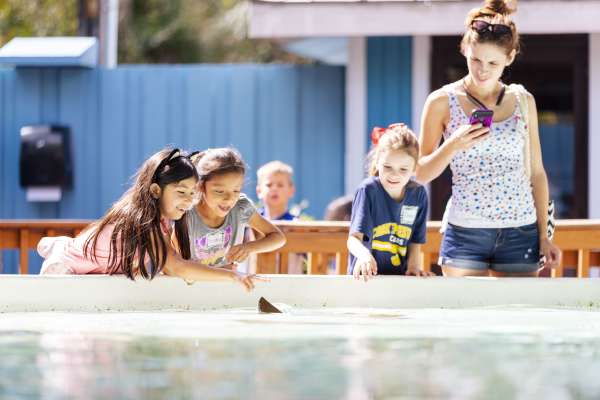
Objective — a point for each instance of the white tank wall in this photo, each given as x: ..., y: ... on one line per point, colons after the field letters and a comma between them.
x: 116, y: 293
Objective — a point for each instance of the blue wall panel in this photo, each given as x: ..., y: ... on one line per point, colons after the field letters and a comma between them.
x: 321, y: 149
x: 389, y: 77
x: 2, y: 140
x: 243, y: 106
x: 119, y: 117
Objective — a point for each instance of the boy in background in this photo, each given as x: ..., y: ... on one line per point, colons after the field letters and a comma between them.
x: 275, y: 188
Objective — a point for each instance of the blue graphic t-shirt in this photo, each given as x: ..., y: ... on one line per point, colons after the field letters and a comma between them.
x: 285, y: 217
x: 387, y: 225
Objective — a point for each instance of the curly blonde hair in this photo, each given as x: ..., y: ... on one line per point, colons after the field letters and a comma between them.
x: 395, y: 137
x: 274, y: 167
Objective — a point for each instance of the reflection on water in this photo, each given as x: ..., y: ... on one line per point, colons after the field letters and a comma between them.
x: 492, y: 365
x: 35, y: 365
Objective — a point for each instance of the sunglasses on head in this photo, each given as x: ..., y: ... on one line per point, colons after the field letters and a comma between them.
x: 483, y: 27
x: 173, y: 155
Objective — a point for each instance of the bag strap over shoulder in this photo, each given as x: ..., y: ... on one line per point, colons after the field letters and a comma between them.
x: 522, y: 99
x: 524, y: 107
x: 522, y: 93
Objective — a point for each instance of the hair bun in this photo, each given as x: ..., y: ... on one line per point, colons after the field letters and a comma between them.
x: 503, y: 7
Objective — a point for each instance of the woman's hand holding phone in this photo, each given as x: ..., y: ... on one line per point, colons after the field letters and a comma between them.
x: 467, y: 136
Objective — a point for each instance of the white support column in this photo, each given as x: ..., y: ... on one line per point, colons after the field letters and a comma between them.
x: 109, y: 32
x: 594, y: 128
x: 421, y: 81
x: 356, y: 113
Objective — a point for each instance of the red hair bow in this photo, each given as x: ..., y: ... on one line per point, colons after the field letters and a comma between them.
x: 378, y: 132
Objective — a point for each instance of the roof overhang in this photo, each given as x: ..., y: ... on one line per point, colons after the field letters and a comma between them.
x: 346, y: 18
x: 331, y: 51
x: 50, y: 52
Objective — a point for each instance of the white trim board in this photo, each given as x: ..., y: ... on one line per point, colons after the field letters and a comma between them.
x: 594, y: 127
x: 421, y: 78
x: 116, y: 293
x: 284, y: 20
x: 421, y: 85
x: 356, y: 114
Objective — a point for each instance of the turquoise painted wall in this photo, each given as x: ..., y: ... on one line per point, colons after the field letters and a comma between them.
x: 389, y: 77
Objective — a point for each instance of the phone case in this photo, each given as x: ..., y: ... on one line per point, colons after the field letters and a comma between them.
x: 482, y: 116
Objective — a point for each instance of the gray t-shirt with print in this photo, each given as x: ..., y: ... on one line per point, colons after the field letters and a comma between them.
x: 210, y: 245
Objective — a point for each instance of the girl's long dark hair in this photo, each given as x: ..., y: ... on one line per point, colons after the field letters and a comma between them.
x: 137, y: 233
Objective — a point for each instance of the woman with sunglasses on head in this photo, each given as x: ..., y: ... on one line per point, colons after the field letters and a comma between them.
x: 495, y: 222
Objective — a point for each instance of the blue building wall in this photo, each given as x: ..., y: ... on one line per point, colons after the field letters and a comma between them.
x: 389, y: 77
x: 119, y: 117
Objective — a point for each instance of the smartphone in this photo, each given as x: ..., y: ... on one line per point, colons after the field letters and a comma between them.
x: 481, y: 116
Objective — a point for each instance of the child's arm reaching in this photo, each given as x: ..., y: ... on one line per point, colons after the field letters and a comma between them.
x: 272, y: 240
x: 414, y: 261
x: 365, y: 262
x: 192, y: 271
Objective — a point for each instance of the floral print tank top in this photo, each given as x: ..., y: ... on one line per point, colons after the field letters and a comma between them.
x: 490, y: 186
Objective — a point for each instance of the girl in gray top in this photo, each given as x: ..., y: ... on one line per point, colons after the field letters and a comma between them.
x: 216, y: 225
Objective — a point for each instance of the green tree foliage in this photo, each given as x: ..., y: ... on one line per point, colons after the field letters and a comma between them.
x: 37, y: 18
x: 153, y: 31
x: 182, y: 31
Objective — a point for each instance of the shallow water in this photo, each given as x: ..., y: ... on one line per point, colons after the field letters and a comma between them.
x: 483, y: 353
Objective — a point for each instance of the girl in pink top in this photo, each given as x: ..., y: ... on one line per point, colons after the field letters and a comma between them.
x: 139, y: 227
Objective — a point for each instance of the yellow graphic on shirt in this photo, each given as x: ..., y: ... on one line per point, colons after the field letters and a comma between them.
x: 393, y: 239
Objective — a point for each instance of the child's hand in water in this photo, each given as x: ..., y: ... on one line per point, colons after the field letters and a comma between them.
x: 238, y: 253
x: 365, y: 266
x: 247, y: 280
x: 415, y: 270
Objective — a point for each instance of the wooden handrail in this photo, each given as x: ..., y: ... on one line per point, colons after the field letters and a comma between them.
x: 25, y: 234
x: 322, y: 243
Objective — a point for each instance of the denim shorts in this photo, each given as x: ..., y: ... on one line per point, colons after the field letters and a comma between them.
x: 509, y: 250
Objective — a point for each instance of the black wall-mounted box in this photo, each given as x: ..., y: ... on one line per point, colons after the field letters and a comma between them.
x: 45, y: 158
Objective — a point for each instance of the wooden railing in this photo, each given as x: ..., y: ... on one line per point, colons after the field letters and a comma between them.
x: 580, y: 242
x: 25, y: 235
x: 323, y: 244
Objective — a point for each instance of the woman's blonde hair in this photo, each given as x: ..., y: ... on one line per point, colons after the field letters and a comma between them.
x: 394, y: 137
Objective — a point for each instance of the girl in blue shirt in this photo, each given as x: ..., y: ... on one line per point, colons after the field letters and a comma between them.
x: 389, y: 211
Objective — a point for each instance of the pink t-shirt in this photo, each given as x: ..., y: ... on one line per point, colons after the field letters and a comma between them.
x: 65, y: 255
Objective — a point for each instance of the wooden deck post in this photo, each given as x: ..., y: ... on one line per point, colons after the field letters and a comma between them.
x: 341, y: 263
x: 23, y: 251
x: 583, y: 263
x: 266, y: 263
